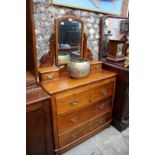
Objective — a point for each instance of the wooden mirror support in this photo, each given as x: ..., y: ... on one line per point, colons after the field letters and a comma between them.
x: 47, y: 59
x: 51, y: 58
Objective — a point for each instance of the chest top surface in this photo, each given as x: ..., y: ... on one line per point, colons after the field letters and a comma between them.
x: 67, y: 83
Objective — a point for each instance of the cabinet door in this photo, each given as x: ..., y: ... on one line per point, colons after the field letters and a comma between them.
x: 38, y: 129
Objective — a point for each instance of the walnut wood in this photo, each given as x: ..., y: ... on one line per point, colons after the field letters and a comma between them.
x: 121, y: 101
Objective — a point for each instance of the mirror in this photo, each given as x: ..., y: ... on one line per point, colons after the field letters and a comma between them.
x: 111, y: 27
x: 69, y: 39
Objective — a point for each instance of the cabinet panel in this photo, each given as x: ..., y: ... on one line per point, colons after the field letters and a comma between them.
x: 35, y: 137
x: 38, y: 129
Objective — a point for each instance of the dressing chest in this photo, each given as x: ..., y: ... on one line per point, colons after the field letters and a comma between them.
x: 80, y: 107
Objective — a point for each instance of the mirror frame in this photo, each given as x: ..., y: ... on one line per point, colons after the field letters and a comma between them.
x: 101, y: 52
x: 57, y: 20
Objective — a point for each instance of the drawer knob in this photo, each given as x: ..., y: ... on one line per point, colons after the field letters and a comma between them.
x: 74, y: 103
x: 74, y: 119
x: 101, y: 106
x: 104, y: 91
x: 49, y: 77
x: 96, y: 67
x: 73, y: 136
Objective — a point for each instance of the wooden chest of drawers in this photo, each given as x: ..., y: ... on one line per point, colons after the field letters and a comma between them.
x: 80, y: 107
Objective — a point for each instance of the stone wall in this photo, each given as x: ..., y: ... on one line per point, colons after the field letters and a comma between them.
x: 44, y: 15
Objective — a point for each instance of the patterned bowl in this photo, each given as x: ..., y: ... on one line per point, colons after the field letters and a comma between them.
x: 78, y: 68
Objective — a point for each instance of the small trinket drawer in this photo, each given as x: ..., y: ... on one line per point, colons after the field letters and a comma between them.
x: 80, y: 108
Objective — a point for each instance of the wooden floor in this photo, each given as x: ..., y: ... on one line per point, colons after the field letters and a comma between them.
x: 108, y: 142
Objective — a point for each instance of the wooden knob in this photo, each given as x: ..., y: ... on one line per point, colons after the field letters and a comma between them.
x: 101, y: 107
x: 104, y: 91
x: 96, y: 67
x: 74, y: 103
x: 73, y: 136
x: 74, y: 119
x: 49, y: 77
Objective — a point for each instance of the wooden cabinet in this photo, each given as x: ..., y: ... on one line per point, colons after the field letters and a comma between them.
x: 80, y: 107
x: 38, y: 122
x: 121, y: 102
x: 38, y: 118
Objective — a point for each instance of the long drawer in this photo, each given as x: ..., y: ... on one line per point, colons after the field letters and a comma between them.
x: 71, y: 100
x: 73, y: 119
x: 81, y: 130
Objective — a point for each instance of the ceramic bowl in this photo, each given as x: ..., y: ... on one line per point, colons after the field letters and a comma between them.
x: 79, y: 68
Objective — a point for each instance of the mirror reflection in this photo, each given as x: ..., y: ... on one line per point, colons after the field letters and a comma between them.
x: 69, y: 40
x: 113, y: 27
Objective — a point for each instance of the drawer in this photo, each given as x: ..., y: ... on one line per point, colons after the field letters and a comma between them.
x: 102, y: 106
x: 49, y: 76
x: 101, y: 92
x: 81, y: 130
x: 75, y: 118
x: 72, y: 100
x: 96, y: 68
